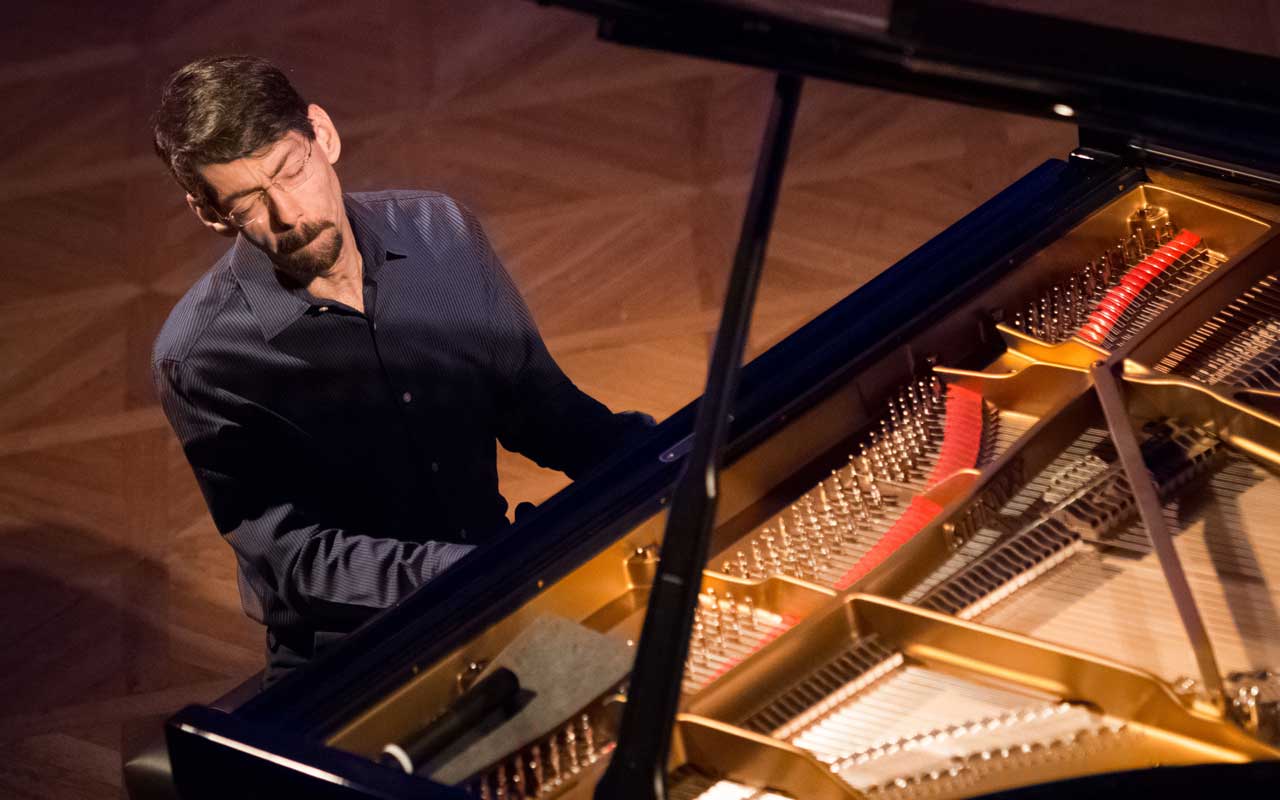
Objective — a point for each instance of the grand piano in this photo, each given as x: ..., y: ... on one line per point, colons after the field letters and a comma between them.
x: 1003, y: 520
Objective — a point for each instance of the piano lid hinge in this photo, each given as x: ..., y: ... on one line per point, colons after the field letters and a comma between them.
x: 1093, y: 155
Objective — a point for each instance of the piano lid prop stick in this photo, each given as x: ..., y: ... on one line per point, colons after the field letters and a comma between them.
x: 638, y: 769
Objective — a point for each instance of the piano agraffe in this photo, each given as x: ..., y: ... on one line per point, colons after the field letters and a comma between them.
x: 1005, y: 516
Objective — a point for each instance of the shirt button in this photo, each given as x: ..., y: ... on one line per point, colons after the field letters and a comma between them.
x: 462, y: 534
x: 322, y: 309
x: 435, y: 467
x: 407, y: 397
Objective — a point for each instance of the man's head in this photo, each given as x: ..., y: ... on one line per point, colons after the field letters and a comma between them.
x: 255, y: 159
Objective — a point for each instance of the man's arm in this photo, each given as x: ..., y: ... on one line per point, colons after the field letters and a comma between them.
x: 328, y: 575
x: 542, y: 414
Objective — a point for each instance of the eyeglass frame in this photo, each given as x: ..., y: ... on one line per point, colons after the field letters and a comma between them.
x: 263, y: 195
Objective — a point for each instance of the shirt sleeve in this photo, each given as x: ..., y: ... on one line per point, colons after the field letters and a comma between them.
x: 541, y: 413
x: 332, y: 577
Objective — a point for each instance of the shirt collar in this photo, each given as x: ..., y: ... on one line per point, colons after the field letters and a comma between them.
x: 275, y: 301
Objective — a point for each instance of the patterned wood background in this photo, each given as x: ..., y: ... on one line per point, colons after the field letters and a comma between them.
x: 611, y: 181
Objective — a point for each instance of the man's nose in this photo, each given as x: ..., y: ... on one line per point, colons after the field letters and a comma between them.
x: 285, y: 209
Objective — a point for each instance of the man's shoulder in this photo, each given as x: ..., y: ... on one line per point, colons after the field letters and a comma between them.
x: 418, y: 213
x: 202, y: 305
x: 405, y: 199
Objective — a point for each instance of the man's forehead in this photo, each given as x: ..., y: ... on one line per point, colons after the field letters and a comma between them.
x: 231, y: 176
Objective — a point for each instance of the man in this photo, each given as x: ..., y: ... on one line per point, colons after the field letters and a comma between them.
x: 339, y: 377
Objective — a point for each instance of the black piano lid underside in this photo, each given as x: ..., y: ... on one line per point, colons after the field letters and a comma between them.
x: 1154, y: 90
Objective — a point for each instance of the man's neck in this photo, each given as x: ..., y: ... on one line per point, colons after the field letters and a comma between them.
x: 345, y: 282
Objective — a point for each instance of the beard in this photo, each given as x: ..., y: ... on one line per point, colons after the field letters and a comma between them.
x: 308, y: 252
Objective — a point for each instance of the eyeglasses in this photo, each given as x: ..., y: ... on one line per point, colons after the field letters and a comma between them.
x: 252, y: 208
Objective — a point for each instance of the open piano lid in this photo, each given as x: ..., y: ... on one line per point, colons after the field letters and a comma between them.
x: 1158, y: 94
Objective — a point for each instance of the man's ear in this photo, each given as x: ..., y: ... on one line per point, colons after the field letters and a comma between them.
x: 326, y: 135
x: 208, y: 219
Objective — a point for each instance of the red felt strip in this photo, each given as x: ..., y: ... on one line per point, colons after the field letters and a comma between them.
x: 919, y: 514
x: 961, y: 434
x: 1117, y: 300
x: 961, y: 441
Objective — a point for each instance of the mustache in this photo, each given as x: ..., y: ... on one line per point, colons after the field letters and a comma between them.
x: 301, y: 237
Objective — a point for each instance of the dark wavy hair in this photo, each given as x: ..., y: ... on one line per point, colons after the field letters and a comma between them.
x: 215, y: 110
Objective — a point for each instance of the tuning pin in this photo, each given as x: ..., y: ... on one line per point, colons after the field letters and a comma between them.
x: 735, y: 626
x: 920, y: 391
x: 789, y: 565
x: 1072, y: 301
x: 484, y: 788
x: 836, y: 496
x: 860, y: 503
x: 1119, y: 267
x: 900, y: 450
x: 553, y: 759
x: 571, y: 749
x: 877, y: 463
x: 744, y: 569
x: 877, y: 500
x: 799, y: 525
x: 517, y: 778
x: 535, y: 762
x: 813, y: 516
x: 500, y: 780
x: 775, y: 554
x: 588, y: 738
x: 1055, y: 309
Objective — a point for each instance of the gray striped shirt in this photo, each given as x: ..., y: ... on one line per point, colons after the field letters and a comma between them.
x: 348, y: 457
